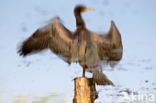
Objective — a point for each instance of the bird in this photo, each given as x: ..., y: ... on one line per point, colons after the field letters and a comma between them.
x: 89, y: 49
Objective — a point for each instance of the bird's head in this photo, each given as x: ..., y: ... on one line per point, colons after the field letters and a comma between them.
x: 82, y: 8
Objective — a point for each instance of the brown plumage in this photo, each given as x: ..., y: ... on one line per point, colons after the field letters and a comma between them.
x: 88, y: 48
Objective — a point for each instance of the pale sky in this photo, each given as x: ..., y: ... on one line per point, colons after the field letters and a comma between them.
x: 40, y: 74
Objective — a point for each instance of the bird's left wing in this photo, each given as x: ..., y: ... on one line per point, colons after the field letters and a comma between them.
x: 53, y: 36
x: 109, y: 46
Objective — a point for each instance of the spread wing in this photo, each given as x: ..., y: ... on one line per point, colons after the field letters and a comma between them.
x: 53, y: 36
x: 109, y: 46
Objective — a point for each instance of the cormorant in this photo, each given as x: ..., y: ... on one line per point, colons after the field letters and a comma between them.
x: 88, y: 48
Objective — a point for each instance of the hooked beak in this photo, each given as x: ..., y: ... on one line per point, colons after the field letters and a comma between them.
x: 89, y: 9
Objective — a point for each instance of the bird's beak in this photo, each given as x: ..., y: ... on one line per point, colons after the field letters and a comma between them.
x: 89, y: 9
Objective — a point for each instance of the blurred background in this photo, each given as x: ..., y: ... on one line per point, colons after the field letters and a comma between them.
x: 44, y: 78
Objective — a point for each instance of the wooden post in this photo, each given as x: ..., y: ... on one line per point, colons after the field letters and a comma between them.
x: 84, y: 91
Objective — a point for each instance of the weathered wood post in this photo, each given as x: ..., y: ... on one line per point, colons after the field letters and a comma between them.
x: 84, y: 90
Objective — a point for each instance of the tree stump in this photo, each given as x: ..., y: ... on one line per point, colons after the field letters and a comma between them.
x: 84, y: 90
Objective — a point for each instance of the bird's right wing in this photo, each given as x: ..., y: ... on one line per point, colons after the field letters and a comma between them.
x: 53, y: 36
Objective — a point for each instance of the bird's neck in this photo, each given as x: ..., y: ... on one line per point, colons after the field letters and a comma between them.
x: 79, y: 21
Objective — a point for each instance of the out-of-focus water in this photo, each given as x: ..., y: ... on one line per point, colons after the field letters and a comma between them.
x: 45, y: 78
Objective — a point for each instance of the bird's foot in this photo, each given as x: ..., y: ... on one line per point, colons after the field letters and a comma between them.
x: 83, y: 74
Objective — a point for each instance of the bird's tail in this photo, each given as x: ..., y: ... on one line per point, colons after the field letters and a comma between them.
x: 100, y: 78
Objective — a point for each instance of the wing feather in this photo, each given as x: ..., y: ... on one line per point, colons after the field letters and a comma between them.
x: 53, y: 36
x: 109, y: 46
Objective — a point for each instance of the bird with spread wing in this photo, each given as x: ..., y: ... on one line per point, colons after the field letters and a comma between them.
x: 83, y: 46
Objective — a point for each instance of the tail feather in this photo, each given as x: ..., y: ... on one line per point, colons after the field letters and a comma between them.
x: 100, y: 78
